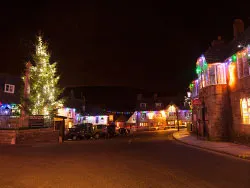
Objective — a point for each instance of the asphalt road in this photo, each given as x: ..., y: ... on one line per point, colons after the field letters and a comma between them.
x: 151, y: 159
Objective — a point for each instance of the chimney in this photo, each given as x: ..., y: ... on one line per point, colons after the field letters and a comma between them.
x: 217, y: 42
x: 238, y: 27
x: 155, y: 96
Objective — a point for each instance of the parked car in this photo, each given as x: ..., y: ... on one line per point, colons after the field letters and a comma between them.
x: 112, y: 130
x: 99, y: 131
x: 78, y: 132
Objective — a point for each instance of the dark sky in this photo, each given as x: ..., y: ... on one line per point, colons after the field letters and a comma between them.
x: 143, y: 44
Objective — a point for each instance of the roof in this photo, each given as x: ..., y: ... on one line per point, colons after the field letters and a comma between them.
x: 122, y: 118
x: 165, y: 100
x: 216, y: 53
x: 221, y: 51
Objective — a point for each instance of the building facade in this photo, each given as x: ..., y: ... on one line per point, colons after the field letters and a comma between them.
x: 161, y: 112
x: 9, y: 100
x: 220, y: 94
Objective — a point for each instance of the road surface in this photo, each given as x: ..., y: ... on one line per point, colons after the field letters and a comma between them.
x: 143, y: 160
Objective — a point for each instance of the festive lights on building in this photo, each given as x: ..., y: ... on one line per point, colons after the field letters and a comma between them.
x: 234, y: 58
x: 118, y: 112
x: 9, y: 109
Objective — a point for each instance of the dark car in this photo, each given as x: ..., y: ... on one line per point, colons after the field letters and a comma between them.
x: 82, y: 131
x: 112, y: 130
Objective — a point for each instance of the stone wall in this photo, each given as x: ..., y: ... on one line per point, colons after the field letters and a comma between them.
x: 32, y: 136
x: 7, y: 136
x: 240, y: 131
x: 29, y: 136
x: 217, y: 111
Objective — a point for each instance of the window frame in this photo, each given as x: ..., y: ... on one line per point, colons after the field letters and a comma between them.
x: 9, y: 90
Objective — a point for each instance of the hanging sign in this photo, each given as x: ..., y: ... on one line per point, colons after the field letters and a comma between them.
x: 196, y: 102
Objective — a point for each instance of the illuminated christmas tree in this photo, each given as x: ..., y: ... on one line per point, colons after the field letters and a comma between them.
x: 43, y: 83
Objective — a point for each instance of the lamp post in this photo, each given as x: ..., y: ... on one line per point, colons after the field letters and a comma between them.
x: 190, y: 106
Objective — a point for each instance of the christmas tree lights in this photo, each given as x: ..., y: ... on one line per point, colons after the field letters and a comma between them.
x: 44, y: 90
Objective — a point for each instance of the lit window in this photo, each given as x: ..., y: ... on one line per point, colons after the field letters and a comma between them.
x: 245, y: 111
x: 143, y: 124
x: 158, y: 105
x: 111, y: 117
x: 221, y: 75
x: 9, y: 88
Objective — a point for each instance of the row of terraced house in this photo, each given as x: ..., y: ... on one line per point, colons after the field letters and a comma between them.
x: 221, y: 92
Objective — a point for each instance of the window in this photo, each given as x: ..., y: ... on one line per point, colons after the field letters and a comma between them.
x: 206, y: 78
x: 245, y: 110
x: 143, y: 105
x: 143, y: 124
x: 212, y: 75
x: 158, y: 105
x: 143, y: 116
x: 97, y: 120
x: 221, y: 76
x: 8, y: 88
x: 70, y: 114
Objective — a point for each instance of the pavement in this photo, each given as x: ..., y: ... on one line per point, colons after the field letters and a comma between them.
x: 228, y: 148
x: 142, y: 160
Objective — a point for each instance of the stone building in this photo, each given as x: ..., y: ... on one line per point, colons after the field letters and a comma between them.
x: 220, y: 94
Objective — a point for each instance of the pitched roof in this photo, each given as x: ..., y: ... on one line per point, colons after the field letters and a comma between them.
x: 122, y: 118
x: 221, y: 51
x: 216, y: 53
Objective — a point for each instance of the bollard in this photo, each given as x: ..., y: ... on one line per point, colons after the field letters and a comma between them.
x: 13, y: 140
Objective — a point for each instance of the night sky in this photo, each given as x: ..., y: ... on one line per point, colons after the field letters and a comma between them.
x: 144, y: 44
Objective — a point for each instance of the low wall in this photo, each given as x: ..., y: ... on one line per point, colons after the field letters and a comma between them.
x: 7, y: 136
x: 29, y: 136
x: 32, y: 136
